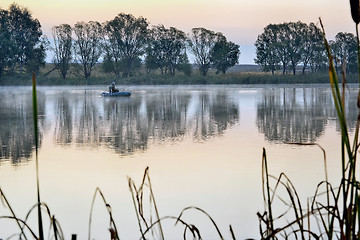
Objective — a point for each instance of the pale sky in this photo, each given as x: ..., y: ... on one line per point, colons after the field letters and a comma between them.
x: 241, y: 21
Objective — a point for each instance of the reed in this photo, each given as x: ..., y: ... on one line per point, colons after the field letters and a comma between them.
x: 152, y: 224
x: 114, y: 235
x: 147, y: 224
x: 338, y: 215
x: 349, y: 183
x: 36, y: 135
x: 331, y: 213
x: 55, y: 228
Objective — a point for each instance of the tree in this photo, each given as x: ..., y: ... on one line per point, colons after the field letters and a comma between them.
x: 166, y: 49
x: 21, y: 45
x: 289, y: 44
x: 7, y: 47
x: 313, y: 50
x: 88, y: 45
x: 281, y: 46
x: 345, y: 50
x: 318, y: 60
x: 266, y: 49
x: 126, y: 38
x: 156, y: 49
x: 201, y: 41
x: 294, y: 35
x: 62, y: 36
x: 224, y: 55
x: 37, y: 56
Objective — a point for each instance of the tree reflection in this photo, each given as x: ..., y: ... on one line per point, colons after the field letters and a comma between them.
x: 351, y: 110
x: 129, y: 124
x: 16, y: 126
x: 299, y: 114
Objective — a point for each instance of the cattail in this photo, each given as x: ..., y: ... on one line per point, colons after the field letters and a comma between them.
x: 355, y: 11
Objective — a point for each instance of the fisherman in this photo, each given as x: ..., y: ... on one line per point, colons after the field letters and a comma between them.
x: 113, y: 89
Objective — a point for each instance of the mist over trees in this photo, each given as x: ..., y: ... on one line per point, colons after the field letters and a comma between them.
x: 127, y: 46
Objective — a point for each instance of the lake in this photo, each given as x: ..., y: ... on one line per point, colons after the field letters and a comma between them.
x: 203, y: 146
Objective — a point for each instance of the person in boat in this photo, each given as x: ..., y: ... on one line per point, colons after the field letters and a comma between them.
x: 113, y: 89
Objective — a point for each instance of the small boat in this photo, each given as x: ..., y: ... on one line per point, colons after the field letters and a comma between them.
x: 116, y: 94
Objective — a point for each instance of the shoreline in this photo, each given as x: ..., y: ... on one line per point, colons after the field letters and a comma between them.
x: 195, y: 79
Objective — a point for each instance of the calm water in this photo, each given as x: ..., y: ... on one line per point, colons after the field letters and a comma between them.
x: 202, y: 144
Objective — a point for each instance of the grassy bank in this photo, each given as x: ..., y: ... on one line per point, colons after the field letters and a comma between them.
x: 158, y: 79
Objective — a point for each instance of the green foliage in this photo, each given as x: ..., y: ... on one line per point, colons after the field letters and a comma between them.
x: 125, y: 39
x: 21, y: 45
x: 186, y: 68
x: 166, y: 49
x: 290, y: 44
x: 266, y: 49
x: 224, y: 55
x: 344, y: 51
x: 312, y: 53
x: 7, y: 47
x: 201, y: 42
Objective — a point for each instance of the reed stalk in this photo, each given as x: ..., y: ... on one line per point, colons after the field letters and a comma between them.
x: 137, y: 196
x: 349, y: 181
x: 267, y: 198
x: 36, y: 135
x: 2, y: 195
x: 113, y: 229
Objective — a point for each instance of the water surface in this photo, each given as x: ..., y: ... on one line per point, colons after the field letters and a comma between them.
x: 202, y: 144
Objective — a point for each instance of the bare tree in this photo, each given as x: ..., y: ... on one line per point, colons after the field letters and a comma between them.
x: 88, y: 43
x: 62, y: 48
x: 201, y: 42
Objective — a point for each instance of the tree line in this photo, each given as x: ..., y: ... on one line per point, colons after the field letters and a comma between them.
x: 122, y: 45
x: 126, y: 44
x: 288, y: 46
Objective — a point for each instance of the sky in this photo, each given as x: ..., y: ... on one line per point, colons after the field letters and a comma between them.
x: 241, y: 21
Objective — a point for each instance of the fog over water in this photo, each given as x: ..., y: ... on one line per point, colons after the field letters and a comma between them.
x: 202, y: 144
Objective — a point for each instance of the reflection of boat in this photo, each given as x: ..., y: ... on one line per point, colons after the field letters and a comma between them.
x: 116, y: 94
